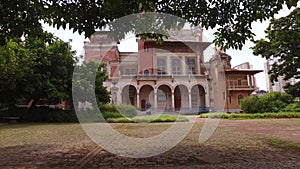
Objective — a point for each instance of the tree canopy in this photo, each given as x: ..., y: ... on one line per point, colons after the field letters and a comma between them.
x: 87, y: 83
x: 36, y: 68
x: 282, y: 44
x: 232, y: 19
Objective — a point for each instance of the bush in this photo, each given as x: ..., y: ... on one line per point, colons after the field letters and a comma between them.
x: 116, y: 111
x: 250, y: 104
x: 252, y: 116
x: 40, y: 115
x: 108, y: 108
x: 293, y: 107
x: 127, y: 110
x: 271, y: 102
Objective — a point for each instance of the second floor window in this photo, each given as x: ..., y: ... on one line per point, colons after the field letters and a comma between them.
x: 239, y: 82
x: 161, y: 66
x: 191, y: 65
x: 176, y: 66
x: 130, y: 71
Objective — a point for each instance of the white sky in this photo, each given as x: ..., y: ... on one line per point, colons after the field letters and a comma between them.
x: 238, y: 56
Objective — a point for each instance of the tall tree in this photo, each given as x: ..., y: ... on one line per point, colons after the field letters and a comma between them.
x: 88, y: 81
x: 36, y: 68
x: 233, y: 18
x: 282, y: 43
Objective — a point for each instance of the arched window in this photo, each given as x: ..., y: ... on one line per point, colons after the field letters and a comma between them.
x: 146, y: 72
x: 240, y: 97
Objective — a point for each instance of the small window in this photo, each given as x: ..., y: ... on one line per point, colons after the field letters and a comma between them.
x: 176, y: 66
x: 130, y: 71
x: 145, y: 49
x: 161, y: 66
x: 191, y: 65
x: 104, y: 68
x: 146, y: 72
x: 239, y: 82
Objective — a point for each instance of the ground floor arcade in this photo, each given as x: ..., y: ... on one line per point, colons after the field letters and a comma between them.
x: 163, y: 96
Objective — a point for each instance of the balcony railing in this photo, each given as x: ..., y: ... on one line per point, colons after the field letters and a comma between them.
x: 239, y: 85
x: 164, y: 76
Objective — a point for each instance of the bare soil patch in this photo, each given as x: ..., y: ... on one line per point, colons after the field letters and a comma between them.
x: 235, y: 144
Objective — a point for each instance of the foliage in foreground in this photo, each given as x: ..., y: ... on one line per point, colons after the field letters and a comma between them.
x: 251, y: 116
x: 87, y: 16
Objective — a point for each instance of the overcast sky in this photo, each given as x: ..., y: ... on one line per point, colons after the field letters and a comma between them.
x: 238, y: 56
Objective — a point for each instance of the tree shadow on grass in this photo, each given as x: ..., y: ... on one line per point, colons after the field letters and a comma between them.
x: 200, y: 156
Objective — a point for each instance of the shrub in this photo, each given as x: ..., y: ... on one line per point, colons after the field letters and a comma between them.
x: 116, y: 111
x: 250, y: 104
x: 40, y: 115
x: 127, y: 110
x: 271, y: 102
x: 108, y: 108
x: 293, y: 107
x: 252, y: 116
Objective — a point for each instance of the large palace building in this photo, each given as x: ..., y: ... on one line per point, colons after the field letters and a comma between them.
x: 172, y: 76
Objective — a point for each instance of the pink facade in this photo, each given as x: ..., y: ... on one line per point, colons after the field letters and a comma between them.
x: 166, y: 77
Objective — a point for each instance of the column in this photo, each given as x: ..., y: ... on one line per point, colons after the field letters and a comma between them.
x: 254, y: 85
x: 183, y: 65
x: 207, y: 99
x: 173, y: 101
x: 190, y: 100
x: 248, y: 80
x: 169, y: 70
x: 155, y: 98
x: 138, y: 101
x: 198, y: 71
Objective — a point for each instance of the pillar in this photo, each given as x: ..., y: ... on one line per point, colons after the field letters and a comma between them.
x: 190, y: 100
x: 198, y: 65
x: 253, y: 81
x: 184, y: 69
x: 155, y: 98
x: 173, y: 100
x: 138, y: 100
x: 168, y: 69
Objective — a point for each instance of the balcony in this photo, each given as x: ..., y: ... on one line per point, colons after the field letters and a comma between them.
x: 239, y: 85
x: 162, y: 76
